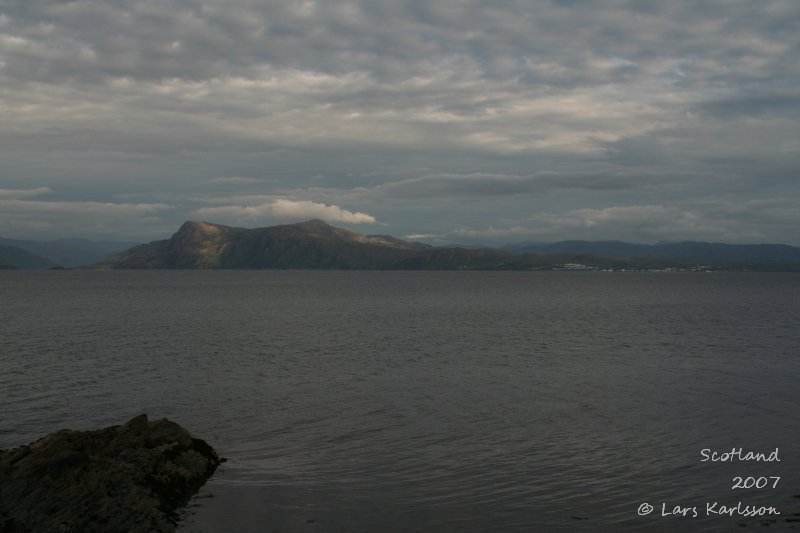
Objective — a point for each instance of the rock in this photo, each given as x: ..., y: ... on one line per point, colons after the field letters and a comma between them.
x: 130, y: 478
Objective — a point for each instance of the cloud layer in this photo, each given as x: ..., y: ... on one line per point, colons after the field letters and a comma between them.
x: 434, y: 117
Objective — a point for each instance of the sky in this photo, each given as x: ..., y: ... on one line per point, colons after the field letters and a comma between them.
x: 438, y: 121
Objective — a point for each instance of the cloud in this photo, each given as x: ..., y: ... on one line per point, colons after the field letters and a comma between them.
x: 52, y: 219
x: 556, y: 79
x: 83, y: 209
x: 23, y: 193
x: 646, y: 221
x: 430, y: 115
x: 764, y: 106
x: 722, y: 220
x: 283, y: 210
x: 488, y: 185
x: 235, y: 180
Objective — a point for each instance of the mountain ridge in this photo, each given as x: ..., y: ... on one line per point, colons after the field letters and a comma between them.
x: 315, y: 244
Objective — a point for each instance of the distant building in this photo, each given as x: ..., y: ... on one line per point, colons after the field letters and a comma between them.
x: 575, y: 266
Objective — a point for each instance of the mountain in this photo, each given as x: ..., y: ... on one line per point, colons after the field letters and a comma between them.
x: 16, y: 257
x: 70, y: 252
x: 317, y: 245
x: 704, y: 252
x: 306, y: 245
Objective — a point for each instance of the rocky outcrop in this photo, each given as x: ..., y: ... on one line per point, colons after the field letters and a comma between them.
x: 131, y: 478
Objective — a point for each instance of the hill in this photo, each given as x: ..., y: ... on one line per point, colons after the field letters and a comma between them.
x: 70, y: 252
x: 703, y: 252
x: 306, y: 245
x: 16, y: 257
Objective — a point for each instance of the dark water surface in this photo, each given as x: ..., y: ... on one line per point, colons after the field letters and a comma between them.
x: 422, y: 401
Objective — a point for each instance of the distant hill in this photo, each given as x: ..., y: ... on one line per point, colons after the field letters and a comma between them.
x: 704, y: 252
x: 317, y: 245
x: 16, y: 257
x: 70, y: 252
x: 456, y: 258
x: 306, y: 245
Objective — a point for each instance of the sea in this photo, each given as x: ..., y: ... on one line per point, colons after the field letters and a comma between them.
x: 431, y: 401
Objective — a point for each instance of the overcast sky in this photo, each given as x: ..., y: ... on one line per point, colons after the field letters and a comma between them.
x: 436, y: 120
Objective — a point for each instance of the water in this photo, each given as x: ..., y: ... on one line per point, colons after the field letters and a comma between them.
x: 425, y: 401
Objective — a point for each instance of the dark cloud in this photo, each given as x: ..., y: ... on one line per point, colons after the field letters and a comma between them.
x: 763, y: 106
